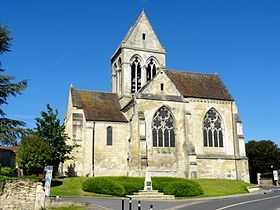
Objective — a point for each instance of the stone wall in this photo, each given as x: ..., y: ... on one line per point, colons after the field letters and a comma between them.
x: 21, y: 194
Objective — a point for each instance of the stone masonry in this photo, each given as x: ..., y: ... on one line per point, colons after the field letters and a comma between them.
x: 21, y: 195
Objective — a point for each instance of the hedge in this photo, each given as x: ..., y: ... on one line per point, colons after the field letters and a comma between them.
x: 267, y: 175
x: 103, y: 185
x: 7, y: 171
x: 121, y: 186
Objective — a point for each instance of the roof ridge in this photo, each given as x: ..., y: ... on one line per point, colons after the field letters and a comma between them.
x: 96, y: 91
x: 181, y: 71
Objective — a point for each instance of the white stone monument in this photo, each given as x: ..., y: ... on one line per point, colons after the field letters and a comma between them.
x: 148, y: 181
x: 148, y: 193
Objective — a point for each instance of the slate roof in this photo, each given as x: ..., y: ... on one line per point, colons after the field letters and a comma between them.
x: 98, y: 106
x: 199, y: 85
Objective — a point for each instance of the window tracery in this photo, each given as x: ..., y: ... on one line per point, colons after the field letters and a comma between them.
x: 151, y: 69
x: 163, y: 129
x: 135, y: 75
x: 212, y: 129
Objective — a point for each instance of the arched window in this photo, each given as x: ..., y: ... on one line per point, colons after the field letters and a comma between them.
x: 135, y: 75
x: 212, y: 129
x: 109, y: 136
x: 163, y: 129
x: 151, y: 69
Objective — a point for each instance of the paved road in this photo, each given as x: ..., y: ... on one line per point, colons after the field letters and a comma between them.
x: 268, y: 201
x: 116, y: 204
x: 260, y: 201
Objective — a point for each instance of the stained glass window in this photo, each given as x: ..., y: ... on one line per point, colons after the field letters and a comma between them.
x: 212, y: 129
x: 163, y: 128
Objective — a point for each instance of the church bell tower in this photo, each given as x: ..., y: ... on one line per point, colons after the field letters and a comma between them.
x: 137, y: 60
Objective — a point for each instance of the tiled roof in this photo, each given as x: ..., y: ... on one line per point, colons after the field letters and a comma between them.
x: 98, y: 106
x: 199, y: 85
x: 14, y: 149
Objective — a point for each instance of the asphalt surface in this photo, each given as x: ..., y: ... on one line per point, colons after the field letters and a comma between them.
x: 268, y: 201
x: 264, y: 200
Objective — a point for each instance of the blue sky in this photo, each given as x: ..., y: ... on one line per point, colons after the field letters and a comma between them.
x: 59, y: 42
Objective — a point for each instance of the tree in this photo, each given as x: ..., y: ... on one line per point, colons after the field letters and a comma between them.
x: 10, y: 129
x: 34, y: 153
x: 49, y: 129
x: 262, y: 155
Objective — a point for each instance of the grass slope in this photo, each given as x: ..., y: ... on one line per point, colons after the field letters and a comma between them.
x: 218, y: 187
x: 72, y: 186
x: 211, y: 187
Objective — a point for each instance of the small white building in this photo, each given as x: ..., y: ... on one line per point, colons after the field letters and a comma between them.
x: 180, y: 124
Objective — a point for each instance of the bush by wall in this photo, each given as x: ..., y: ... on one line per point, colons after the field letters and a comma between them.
x: 267, y: 175
x: 7, y: 171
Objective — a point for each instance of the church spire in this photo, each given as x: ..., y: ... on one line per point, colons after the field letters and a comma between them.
x: 137, y: 60
x: 141, y: 34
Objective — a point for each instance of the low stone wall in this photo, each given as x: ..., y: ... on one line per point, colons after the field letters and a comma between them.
x: 21, y: 194
x: 266, y: 182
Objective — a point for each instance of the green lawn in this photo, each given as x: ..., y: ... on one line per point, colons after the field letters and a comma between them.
x: 211, y: 187
x: 217, y: 187
x: 72, y: 186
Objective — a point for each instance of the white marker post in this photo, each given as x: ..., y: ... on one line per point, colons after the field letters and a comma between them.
x: 48, y: 180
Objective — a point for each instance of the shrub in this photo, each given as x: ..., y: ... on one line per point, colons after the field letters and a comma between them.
x: 103, y: 185
x: 160, y: 182
x: 121, y: 186
x: 267, y: 175
x: 7, y: 171
x: 183, y: 188
x: 130, y: 184
x: 179, y: 187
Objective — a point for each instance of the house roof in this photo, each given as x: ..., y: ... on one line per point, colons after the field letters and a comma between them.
x: 98, y: 106
x: 199, y: 85
x: 14, y: 149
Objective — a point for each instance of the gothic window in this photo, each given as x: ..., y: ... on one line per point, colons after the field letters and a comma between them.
x: 135, y: 75
x: 163, y: 129
x: 151, y: 69
x: 109, y: 136
x: 212, y: 129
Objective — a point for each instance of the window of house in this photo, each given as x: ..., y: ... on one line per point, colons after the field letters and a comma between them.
x: 161, y: 86
x: 109, y: 136
x: 212, y: 129
x: 163, y: 128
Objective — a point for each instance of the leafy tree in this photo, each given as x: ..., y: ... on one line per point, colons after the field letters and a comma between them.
x: 49, y: 129
x: 10, y: 129
x: 262, y: 155
x: 34, y: 153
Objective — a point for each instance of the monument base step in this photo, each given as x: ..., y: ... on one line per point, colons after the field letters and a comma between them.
x: 150, y: 195
x: 147, y: 192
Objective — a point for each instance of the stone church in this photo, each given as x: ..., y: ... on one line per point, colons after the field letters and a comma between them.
x: 177, y: 123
